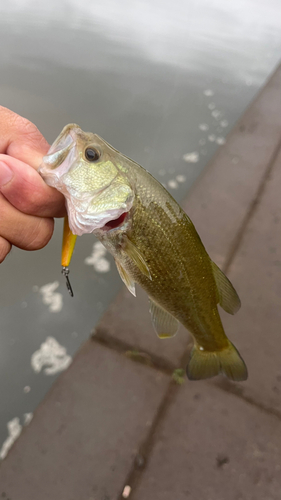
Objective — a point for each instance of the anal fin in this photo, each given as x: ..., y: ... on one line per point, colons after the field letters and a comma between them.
x: 126, y: 278
x: 228, y: 297
x: 164, y: 323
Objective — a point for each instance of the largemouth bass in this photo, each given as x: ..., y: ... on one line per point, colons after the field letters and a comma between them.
x: 153, y: 242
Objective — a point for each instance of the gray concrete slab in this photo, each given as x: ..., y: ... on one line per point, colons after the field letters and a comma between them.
x: 213, y: 447
x: 256, y: 271
x: 86, y: 433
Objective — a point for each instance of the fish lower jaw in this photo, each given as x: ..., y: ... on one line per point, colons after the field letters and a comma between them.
x: 86, y: 224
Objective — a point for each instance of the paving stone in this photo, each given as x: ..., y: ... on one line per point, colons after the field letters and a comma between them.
x: 256, y: 271
x: 221, y: 197
x: 213, y: 446
x: 84, y: 437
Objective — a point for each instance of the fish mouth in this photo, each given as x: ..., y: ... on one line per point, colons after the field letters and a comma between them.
x: 53, y: 165
x: 69, y: 238
x: 115, y: 223
x: 84, y: 218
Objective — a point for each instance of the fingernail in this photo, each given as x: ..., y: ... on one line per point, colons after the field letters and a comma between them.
x: 6, y: 174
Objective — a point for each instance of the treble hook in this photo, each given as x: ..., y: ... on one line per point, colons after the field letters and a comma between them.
x: 65, y: 272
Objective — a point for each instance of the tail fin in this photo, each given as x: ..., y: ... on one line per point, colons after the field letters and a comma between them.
x: 206, y: 364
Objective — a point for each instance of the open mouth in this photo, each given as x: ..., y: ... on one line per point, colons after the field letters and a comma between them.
x: 113, y: 224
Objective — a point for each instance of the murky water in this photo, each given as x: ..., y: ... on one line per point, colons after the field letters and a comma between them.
x: 163, y: 82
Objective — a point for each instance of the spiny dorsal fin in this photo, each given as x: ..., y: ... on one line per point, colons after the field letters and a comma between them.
x: 134, y: 254
x: 228, y: 297
x: 164, y: 323
x: 126, y: 278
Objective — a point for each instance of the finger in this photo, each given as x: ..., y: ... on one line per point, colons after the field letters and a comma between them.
x: 25, y: 189
x: 21, y: 139
x: 24, y: 231
x: 5, y: 248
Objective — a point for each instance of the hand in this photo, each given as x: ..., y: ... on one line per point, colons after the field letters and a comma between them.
x: 27, y: 204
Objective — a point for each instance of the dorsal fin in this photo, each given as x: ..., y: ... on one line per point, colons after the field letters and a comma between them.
x: 228, y: 297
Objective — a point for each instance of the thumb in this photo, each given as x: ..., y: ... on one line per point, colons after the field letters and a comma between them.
x: 25, y: 189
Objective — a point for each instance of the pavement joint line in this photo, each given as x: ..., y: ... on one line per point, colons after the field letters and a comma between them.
x: 145, y: 449
x: 144, y: 452
x: 225, y: 385
x: 252, y: 209
x: 143, y: 455
x: 135, y: 353
x: 237, y: 391
x: 232, y: 132
x: 148, y: 359
x: 101, y: 336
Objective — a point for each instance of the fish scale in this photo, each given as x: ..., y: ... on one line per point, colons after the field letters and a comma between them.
x: 171, y: 249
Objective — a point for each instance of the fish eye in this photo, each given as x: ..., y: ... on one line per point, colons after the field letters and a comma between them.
x: 92, y: 154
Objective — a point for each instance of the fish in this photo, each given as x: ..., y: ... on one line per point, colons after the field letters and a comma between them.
x: 153, y: 241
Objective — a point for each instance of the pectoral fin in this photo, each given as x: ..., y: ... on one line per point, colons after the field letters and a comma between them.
x: 126, y: 278
x: 164, y: 323
x: 135, y: 255
x: 228, y: 297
